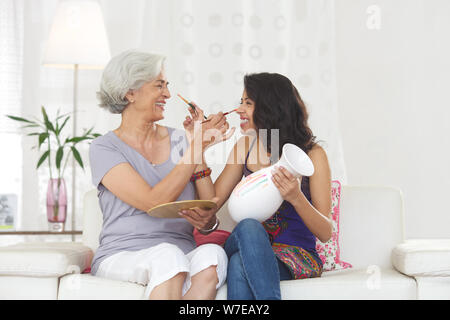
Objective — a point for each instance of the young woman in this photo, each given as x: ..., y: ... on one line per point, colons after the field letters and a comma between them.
x: 283, y: 247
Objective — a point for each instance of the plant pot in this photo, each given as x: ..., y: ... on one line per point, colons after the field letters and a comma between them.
x: 256, y: 197
x: 56, y: 204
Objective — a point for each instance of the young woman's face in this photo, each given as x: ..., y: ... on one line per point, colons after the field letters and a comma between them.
x: 151, y: 97
x: 245, y: 111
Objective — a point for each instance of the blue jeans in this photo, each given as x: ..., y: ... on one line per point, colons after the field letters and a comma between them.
x: 254, y: 272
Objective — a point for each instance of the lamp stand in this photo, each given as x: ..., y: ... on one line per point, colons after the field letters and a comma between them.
x: 74, y: 132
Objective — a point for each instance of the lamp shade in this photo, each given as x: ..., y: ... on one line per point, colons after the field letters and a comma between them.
x: 78, y: 36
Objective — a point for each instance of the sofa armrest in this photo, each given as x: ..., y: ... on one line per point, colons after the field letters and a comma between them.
x: 44, y: 259
x: 423, y: 258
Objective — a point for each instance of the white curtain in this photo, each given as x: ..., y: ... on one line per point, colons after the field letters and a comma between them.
x: 210, y: 45
x: 11, y: 64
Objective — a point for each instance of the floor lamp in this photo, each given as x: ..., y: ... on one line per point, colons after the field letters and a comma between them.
x: 77, y: 40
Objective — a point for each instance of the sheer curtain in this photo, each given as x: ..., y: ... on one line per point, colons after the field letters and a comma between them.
x: 11, y: 64
x: 210, y: 45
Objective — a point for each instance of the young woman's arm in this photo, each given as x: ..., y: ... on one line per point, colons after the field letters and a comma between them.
x: 233, y: 171
x: 224, y: 184
x: 316, y: 216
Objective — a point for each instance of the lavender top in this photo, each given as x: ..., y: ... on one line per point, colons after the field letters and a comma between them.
x: 126, y: 228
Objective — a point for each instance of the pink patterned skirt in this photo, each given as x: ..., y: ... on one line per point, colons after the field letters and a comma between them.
x: 299, y: 261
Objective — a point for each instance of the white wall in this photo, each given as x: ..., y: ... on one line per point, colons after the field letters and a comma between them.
x: 394, y: 109
x: 392, y: 98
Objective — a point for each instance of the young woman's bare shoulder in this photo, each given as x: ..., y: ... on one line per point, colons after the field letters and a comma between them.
x: 318, y: 154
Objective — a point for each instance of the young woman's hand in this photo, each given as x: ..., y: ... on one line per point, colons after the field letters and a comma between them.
x: 287, y: 184
x: 215, y: 130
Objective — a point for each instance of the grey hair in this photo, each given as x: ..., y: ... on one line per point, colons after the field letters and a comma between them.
x: 127, y: 71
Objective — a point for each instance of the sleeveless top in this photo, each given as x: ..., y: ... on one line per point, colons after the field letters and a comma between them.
x: 286, y: 227
x: 126, y: 228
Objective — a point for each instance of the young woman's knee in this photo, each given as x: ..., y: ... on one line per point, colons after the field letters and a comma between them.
x: 235, y: 267
x: 250, y: 228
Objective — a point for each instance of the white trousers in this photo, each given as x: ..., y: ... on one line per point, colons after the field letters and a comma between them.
x: 160, y: 263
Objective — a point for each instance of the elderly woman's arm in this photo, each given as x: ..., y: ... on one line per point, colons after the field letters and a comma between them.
x: 204, y: 186
x: 126, y: 184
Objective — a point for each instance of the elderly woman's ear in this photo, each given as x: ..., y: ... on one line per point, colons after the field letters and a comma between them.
x: 130, y: 96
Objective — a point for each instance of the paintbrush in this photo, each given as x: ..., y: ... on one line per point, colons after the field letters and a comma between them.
x: 226, y: 113
x: 191, y: 105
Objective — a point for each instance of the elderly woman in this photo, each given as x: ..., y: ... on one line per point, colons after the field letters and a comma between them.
x: 142, y: 164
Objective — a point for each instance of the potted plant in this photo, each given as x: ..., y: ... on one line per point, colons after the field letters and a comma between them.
x: 57, y: 152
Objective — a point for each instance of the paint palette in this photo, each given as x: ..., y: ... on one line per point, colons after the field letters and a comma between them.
x: 170, y: 210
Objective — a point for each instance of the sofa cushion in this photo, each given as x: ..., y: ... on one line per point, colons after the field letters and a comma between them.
x: 329, y: 252
x: 427, y: 257
x: 28, y: 288
x: 88, y: 287
x: 350, y: 284
x: 371, y: 225
x: 433, y: 288
x: 44, y: 259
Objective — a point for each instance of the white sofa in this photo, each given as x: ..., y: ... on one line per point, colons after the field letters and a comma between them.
x: 371, y: 227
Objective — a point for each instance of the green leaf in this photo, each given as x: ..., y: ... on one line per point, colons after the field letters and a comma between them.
x: 59, y: 156
x: 33, y: 134
x: 77, y: 156
x: 64, y: 123
x: 63, y: 115
x: 20, y: 119
x: 42, y: 138
x: 89, y: 131
x: 34, y: 125
x: 77, y: 139
x: 47, y: 122
x: 42, y: 159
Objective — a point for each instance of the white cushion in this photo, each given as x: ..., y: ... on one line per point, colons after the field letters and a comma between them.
x: 92, y: 220
x: 44, y: 259
x: 427, y: 257
x: 371, y: 225
x: 369, y: 283
x: 88, y: 287
x: 433, y: 288
x: 28, y: 288
x: 343, y: 284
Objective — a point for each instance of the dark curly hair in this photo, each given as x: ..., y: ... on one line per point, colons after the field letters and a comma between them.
x: 278, y: 105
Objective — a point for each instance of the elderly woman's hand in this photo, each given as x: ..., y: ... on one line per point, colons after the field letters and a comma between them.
x: 200, y: 218
x: 196, y: 115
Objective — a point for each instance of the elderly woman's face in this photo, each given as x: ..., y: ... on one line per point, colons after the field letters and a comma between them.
x: 151, y: 97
